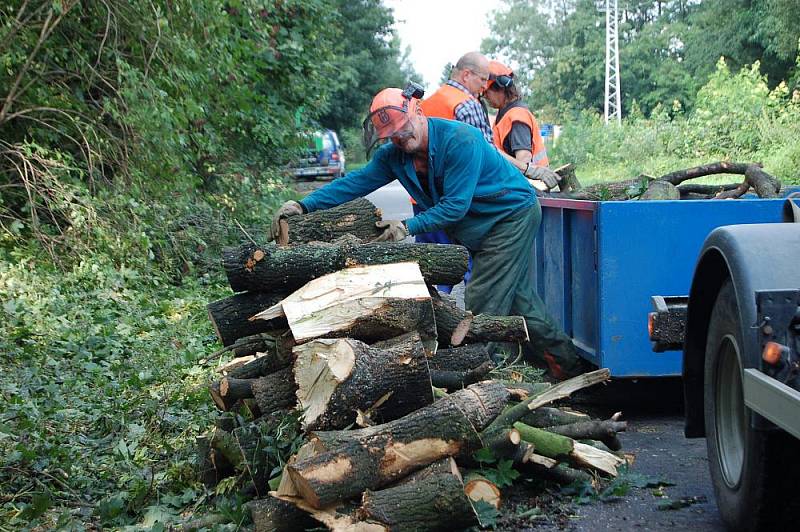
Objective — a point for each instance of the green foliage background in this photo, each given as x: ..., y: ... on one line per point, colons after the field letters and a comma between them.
x: 139, y: 137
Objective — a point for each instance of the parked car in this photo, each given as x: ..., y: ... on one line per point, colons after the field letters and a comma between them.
x: 323, y: 158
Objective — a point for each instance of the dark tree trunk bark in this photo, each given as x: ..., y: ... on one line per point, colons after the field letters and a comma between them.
x: 338, y: 378
x: 376, y: 456
x: 271, y: 268
x: 457, y: 379
x: 230, y: 315
x: 434, y: 501
x: 546, y: 416
x: 274, y: 515
x: 276, y: 391
x: 355, y: 218
x: 569, y: 181
x: 455, y: 326
x: 604, y: 431
x: 277, y: 355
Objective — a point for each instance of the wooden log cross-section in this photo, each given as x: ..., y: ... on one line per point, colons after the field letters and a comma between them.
x: 373, y: 457
x: 272, y: 392
x: 355, y: 218
x: 338, y: 378
x: 367, y: 303
x: 271, y: 268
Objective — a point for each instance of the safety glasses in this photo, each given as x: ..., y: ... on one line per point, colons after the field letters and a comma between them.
x: 384, y: 123
x: 502, y: 80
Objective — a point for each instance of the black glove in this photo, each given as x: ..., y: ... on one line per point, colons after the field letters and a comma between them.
x: 393, y: 231
x: 290, y: 208
x: 543, y: 174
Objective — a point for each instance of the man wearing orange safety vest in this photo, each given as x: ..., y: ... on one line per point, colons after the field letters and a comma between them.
x: 516, y: 132
x: 458, y: 100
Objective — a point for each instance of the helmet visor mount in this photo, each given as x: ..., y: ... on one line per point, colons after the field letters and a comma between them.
x: 501, y: 80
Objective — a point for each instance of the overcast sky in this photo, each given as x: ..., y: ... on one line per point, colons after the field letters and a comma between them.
x: 440, y: 31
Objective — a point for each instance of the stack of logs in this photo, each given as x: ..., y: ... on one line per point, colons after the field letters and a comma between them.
x: 388, y: 380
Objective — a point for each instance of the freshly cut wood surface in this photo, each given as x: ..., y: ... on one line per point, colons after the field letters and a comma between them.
x: 337, y: 378
x: 369, y: 303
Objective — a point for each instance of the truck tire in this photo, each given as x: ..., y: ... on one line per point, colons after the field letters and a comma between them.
x: 752, y: 471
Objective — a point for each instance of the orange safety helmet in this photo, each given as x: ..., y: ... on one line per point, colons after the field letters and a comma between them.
x: 500, y: 74
x: 389, y: 113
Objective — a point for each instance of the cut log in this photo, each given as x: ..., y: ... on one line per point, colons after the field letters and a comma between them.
x: 271, y: 392
x: 368, y: 303
x: 455, y: 380
x: 274, y: 515
x: 456, y: 326
x: 279, y: 357
x: 549, y: 417
x: 338, y: 378
x: 230, y: 315
x: 524, y: 390
x: 355, y: 218
x: 765, y: 185
x: 561, y: 474
x: 737, y: 192
x: 461, y: 358
x: 706, y: 191
x: 478, y: 488
x: 275, y: 391
x: 373, y: 457
x: 604, y: 431
x: 271, y: 268
x: 434, y: 500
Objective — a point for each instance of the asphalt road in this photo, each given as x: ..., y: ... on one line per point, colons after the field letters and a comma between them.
x: 680, y: 495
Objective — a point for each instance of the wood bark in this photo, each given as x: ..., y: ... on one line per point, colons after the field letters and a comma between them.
x: 604, y: 431
x: 569, y: 181
x: 230, y: 315
x: 271, y: 392
x: 338, y: 378
x: 367, y: 303
x: 432, y: 501
x: 277, y: 357
x: 705, y: 190
x: 272, y: 268
x: 373, y: 457
x: 545, y: 443
x: 457, y: 379
x: 274, y: 515
x: 355, y: 218
x: 546, y: 416
x: 660, y: 190
x: 460, y: 358
x: 456, y: 326
x: 561, y: 474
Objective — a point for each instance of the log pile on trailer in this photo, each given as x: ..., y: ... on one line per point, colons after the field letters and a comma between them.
x: 387, y: 385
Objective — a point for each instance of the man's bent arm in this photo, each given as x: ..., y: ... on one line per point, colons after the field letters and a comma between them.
x: 354, y: 185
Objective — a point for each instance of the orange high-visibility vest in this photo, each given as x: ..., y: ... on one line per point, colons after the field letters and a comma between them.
x: 443, y: 102
x: 502, y: 128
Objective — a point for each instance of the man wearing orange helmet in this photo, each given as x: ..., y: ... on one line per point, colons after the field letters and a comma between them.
x: 468, y: 189
x: 516, y: 132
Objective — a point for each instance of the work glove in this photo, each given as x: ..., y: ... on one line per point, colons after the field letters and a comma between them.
x: 290, y: 208
x: 543, y: 174
x: 393, y: 231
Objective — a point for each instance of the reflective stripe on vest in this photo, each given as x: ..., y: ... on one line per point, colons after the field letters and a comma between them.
x: 521, y: 114
x: 443, y: 102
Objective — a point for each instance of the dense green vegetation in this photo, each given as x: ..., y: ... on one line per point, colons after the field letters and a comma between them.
x: 137, y: 138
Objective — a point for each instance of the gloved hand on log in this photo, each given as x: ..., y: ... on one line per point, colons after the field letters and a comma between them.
x: 547, y: 176
x: 393, y: 231
x: 290, y: 208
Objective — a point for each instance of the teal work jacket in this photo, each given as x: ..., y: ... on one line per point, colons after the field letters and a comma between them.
x: 470, y: 185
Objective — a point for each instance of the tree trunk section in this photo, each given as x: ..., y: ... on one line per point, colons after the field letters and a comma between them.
x: 272, y: 268
x: 545, y: 443
x: 604, y: 431
x: 461, y: 358
x: 356, y: 217
x: 274, y: 515
x: 338, y: 378
x: 457, y: 379
x: 455, y: 326
x: 569, y: 181
x: 373, y: 457
x: 434, y: 501
x: 275, y: 391
x: 230, y: 315
x: 546, y: 416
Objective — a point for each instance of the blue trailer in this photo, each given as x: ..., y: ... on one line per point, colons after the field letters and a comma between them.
x: 597, y: 264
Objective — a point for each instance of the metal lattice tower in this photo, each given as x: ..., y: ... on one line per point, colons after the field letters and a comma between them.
x: 613, y: 108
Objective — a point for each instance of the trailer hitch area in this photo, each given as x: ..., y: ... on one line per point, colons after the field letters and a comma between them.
x: 666, y: 325
x: 778, y: 322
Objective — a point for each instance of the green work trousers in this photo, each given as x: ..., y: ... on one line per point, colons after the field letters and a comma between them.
x: 502, y: 285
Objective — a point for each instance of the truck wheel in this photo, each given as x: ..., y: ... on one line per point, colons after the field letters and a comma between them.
x: 751, y: 470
